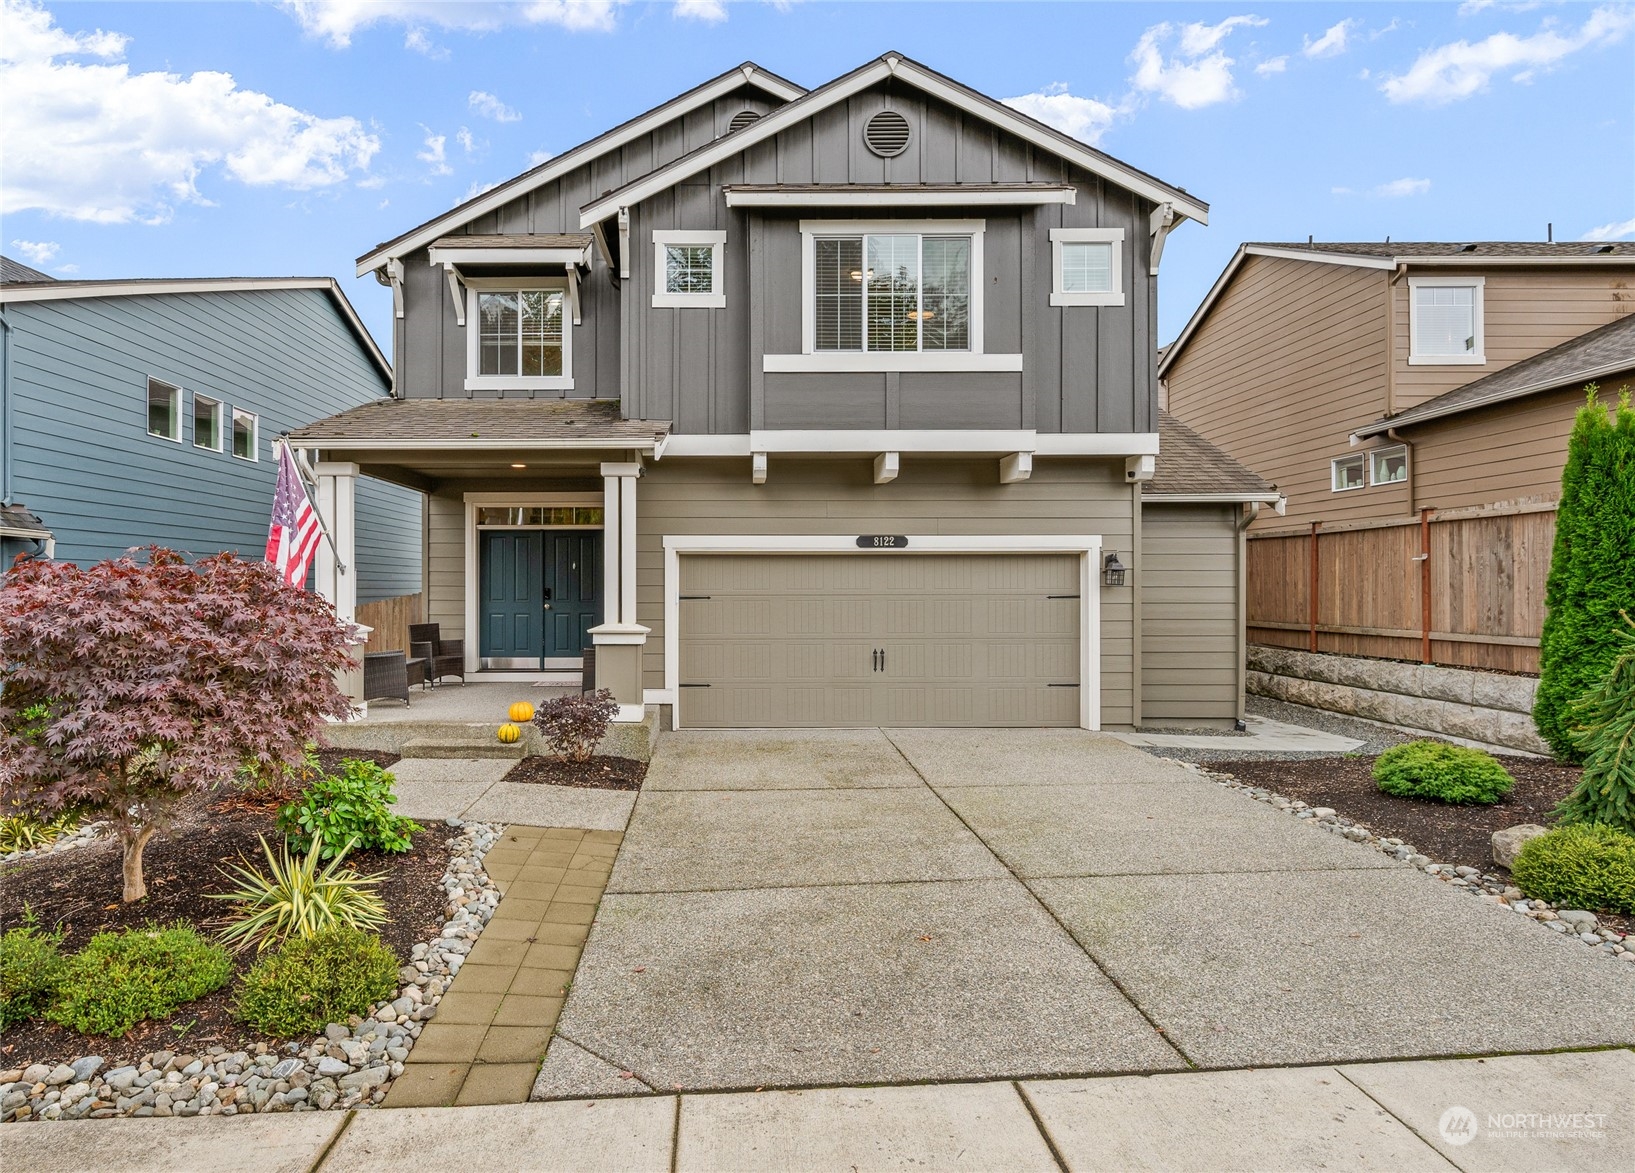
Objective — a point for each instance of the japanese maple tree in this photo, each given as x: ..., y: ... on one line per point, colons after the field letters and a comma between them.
x: 131, y: 684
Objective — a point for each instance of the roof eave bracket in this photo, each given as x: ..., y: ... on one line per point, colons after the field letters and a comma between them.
x: 1161, y: 223
x: 456, y: 292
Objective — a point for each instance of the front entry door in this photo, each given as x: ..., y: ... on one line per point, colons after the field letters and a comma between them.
x: 513, y: 598
x: 573, y: 590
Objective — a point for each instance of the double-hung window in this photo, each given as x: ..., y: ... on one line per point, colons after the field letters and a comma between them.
x: 244, y: 434
x: 687, y: 269
x: 206, y: 422
x: 1445, y: 321
x: 897, y: 291
x: 1087, y: 266
x: 164, y: 410
x: 517, y: 338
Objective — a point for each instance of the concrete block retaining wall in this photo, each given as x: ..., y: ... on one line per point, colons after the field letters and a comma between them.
x: 1455, y: 702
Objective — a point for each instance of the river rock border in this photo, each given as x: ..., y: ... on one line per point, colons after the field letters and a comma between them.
x: 1491, y: 888
x: 351, y: 1065
x: 81, y: 836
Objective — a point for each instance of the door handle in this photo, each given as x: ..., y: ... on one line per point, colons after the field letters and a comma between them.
x: 547, y: 607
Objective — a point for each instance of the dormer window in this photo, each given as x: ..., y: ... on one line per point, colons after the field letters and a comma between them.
x: 516, y: 338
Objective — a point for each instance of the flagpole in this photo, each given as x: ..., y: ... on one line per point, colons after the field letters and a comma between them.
x: 310, y: 480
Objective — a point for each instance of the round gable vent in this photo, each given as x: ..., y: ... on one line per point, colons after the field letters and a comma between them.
x: 741, y: 119
x: 886, y: 134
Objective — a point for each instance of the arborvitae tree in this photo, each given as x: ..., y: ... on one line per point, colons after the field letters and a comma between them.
x: 1592, y: 572
x: 1604, y: 731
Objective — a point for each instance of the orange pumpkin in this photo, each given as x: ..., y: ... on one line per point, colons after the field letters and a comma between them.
x: 509, y: 733
x: 521, y: 712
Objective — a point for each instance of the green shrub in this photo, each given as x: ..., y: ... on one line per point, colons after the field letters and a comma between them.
x: 349, y: 810
x: 121, y: 979
x: 294, y: 899
x: 1583, y: 865
x: 1592, y: 569
x: 1448, y: 773
x: 307, y: 983
x: 1603, y: 722
x: 30, y: 969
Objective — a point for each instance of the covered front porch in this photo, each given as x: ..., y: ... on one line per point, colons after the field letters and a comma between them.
x: 530, y: 542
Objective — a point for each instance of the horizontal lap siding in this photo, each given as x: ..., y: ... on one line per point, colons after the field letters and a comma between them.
x: 928, y: 497
x: 1190, y: 650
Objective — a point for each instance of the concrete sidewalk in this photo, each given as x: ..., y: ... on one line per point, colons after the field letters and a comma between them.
x: 1522, y: 1113
x: 473, y: 789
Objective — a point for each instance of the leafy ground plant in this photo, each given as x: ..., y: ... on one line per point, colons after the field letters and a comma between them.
x: 349, y: 810
x: 1582, y: 865
x: 306, y: 983
x: 574, y: 725
x: 30, y: 969
x: 1447, y: 773
x: 121, y: 979
x: 22, y: 833
x: 294, y: 899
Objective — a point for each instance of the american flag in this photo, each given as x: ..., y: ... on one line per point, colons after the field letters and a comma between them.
x: 292, y: 538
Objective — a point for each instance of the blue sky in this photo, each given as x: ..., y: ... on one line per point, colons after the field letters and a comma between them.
x: 158, y: 139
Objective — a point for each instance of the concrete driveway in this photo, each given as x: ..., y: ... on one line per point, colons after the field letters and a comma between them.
x: 861, y: 906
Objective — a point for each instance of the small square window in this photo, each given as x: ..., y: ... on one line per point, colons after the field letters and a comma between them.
x: 1349, y: 473
x: 206, y: 423
x: 1387, y: 466
x: 164, y: 410
x: 244, y: 434
x: 1087, y: 266
x: 687, y: 268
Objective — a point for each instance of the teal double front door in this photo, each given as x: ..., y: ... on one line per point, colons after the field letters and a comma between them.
x: 541, y: 594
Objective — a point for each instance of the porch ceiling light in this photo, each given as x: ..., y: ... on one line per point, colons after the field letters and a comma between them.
x: 1112, y: 571
x: 519, y: 466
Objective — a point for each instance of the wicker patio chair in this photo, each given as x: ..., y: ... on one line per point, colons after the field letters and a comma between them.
x: 385, y: 677
x: 444, y: 657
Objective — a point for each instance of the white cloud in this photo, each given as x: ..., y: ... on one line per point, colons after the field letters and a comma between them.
x: 37, y: 252
x: 1455, y: 71
x: 467, y: 143
x: 94, y: 141
x: 1613, y: 231
x: 1339, y: 191
x: 1272, y: 65
x: 1333, y: 42
x: 435, y: 156
x: 486, y: 104
x: 535, y: 158
x: 337, y: 20
x: 1198, y: 73
x: 69, y: 269
x: 708, y: 11
x: 417, y: 40
x: 1084, y: 118
x: 475, y: 190
x: 1398, y: 188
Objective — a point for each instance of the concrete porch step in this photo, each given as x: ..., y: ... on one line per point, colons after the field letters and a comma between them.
x: 460, y: 747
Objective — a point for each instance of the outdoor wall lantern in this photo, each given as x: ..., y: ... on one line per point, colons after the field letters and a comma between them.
x: 1112, y: 571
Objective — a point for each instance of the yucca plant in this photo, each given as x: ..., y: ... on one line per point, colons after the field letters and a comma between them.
x: 293, y: 898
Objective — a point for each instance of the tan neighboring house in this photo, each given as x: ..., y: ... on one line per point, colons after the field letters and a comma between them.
x: 1413, y: 401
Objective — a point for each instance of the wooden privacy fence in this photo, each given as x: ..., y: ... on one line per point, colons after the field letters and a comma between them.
x: 390, y: 619
x: 1464, y: 587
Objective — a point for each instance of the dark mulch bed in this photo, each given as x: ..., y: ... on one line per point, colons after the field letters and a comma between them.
x: 80, y: 891
x: 600, y: 773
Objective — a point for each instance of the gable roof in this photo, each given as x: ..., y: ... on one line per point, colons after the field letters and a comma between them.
x: 746, y: 74
x: 1603, y: 351
x: 1189, y: 466
x: 1389, y: 254
x: 895, y: 65
x: 51, y: 290
x: 15, y: 273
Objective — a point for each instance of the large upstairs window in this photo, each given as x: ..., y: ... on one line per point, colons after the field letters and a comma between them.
x: 1445, y: 321
x: 517, y: 339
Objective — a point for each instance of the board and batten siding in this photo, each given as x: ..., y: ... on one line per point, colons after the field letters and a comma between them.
x: 1063, y: 497
x: 84, y: 461
x: 1191, y: 631
x: 1291, y: 359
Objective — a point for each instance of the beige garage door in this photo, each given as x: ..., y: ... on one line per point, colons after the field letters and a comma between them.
x: 889, y: 639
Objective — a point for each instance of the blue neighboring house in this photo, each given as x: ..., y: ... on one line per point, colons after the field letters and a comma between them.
x: 143, y: 412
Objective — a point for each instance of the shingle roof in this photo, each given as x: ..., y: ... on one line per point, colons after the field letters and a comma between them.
x: 19, y: 521
x: 1189, y: 465
x: 1473, y: 248
x: 517, y: 240
x: 16, y: 273
x: 481, y: 423
x: 1603, y: 351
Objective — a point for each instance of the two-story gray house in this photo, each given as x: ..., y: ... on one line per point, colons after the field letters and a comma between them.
x: 143, y: 412
x: 807, y: 408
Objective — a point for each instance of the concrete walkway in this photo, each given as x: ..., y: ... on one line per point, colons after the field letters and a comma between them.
x: 471, y: 789
x: 1536, y: 1114
x: 1264, y: 736
x: 862, y: 906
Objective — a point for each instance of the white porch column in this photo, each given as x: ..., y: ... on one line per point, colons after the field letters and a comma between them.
x: 627, y: 549
x: 612, y: 548
x: 619, y: 640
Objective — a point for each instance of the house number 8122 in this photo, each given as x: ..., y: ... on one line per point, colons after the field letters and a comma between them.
x: 882, y: 541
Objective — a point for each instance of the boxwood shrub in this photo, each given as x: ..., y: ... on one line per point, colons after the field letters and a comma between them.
x: 1447, y: 773
x: 123, y: 978
x: 306, y: 983
x: 1583, y: 865
x: 30, y: 968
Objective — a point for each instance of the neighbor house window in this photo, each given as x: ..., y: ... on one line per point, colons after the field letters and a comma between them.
x: 164, y: 411
x: 517, y: 335
x: 1087, y: 266
x: 687, y: 268
x: 1445, y: 320
x: 1349, y: 471
x: 1387, y: 466
x: 206, y: 423
x: 244, y: 434
x: 892, y: 291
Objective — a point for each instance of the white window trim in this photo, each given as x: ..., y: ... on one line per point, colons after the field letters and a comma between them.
x: 717, y: 297
x: 255, y: 433
x: 474, y: 381
x: 1374, y: 455
x: 812, y: 360
x: 1476, y: 358
x: 1061, y: 236
x: 176, y: 397
x: 1087, y: 547
x: 221, y: 414
x: 1334, y: 485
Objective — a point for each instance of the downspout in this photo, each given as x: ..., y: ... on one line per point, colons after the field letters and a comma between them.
x: 624, y: 243
x: 1247, y: 520
x: 5, y: 413
x: 1413, y: 472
